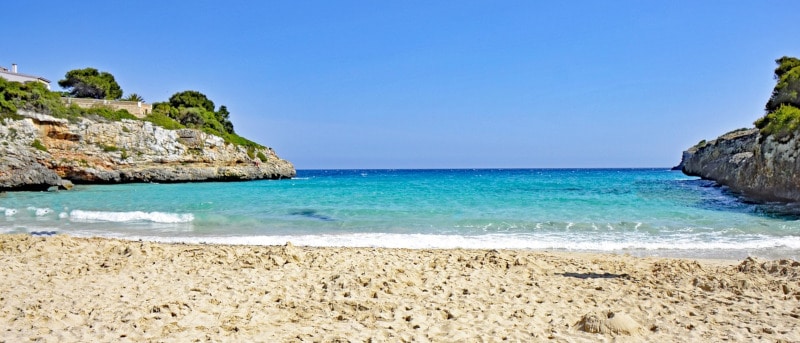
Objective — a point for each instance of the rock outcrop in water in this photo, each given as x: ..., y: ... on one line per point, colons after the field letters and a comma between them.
x: 40, y: 151
x: 760, y: 168
x: 759, y: 163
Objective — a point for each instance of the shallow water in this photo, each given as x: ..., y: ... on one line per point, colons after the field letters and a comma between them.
x: 653, y: 212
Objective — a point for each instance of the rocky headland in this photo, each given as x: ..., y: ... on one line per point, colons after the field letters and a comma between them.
x: 39, y: 151
x: 760, y: 168
x: 759, y: 163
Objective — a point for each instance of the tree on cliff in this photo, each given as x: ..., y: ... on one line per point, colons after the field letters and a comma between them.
x: 787, y: 91
x: 134, y: 97
x: 194, y: 109
x: 91, y: 83
x: 783, y: 108
x: 189, y: 99
x: 223, y: 118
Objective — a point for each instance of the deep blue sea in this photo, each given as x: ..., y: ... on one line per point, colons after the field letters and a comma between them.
x: 643, y: 212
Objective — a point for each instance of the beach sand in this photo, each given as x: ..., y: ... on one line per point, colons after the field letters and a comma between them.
x: 61, y: 289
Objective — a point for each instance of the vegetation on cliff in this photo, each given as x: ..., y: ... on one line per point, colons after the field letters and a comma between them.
x: 759, y: 163
x: 35, y: 97
x: 193, y: 109
x: 783, y: 108
x: 187, y: 109
x: 786, y: 90
x: 29, y: 96
x: 781, y: 123
x: 91, y: 83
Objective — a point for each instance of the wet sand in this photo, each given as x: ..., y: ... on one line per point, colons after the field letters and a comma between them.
x: 62, y: 289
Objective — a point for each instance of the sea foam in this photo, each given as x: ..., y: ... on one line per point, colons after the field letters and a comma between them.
x: 43, y: 211
x: 646, y: 247
x: 134, y: 216
x: 643, y: 212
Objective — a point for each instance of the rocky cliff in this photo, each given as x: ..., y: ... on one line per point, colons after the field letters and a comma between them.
x: 39, y: 151
x: 760, y: 168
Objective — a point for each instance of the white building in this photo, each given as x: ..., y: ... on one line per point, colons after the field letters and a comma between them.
x: 13, y: 75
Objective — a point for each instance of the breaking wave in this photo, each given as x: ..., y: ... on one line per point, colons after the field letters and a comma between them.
x: 135, y: 216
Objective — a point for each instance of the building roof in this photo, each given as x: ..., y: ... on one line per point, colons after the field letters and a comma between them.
x: 6, y: 71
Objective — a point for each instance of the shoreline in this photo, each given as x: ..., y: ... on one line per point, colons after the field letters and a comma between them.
x: 444, y: 242
x: 62, y: 288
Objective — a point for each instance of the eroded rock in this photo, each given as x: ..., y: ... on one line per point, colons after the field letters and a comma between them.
x: 39, y: 151
x: 760, y: 168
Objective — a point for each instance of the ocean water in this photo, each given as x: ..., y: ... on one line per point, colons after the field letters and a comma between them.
x: 643, y: 212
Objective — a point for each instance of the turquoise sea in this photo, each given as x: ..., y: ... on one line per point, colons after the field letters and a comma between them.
x: 644, y: 212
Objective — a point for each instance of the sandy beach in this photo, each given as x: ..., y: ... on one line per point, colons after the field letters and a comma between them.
x: 63, y: 289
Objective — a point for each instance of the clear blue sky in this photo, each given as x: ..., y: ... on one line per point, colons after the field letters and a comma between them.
x: 434, y: 84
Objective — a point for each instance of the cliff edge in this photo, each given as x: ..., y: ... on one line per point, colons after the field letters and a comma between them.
x: 40, y: 151
x: 760, y: 168
x: 759, y: 163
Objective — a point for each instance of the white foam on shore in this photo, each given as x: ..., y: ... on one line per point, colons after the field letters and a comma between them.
x: 8, y: 212
x: 40, y: 211
x: 500, y: 241
x: 134, y: 216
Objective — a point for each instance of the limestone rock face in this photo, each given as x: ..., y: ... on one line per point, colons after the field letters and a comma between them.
x: 96, y: 151
x: 762, y: 169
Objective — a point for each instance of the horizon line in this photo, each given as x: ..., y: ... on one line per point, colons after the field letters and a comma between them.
x: 499, y: 168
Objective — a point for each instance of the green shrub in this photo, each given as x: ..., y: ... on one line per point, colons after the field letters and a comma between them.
x: 73, y: 113
x: 110, y: 148
x: 38, y: 145
x: 31, y: 96
x: 261, y: 156
x: 110, y: 114
x: 700, y: 144
x: 781, y: 123
x: 124, y: 154
x: 239, y: 140
x: 251, y: 152
x: 12, y: 116
x: 160, y: 119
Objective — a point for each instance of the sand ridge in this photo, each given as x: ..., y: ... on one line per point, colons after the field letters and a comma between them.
x: 61, y: 289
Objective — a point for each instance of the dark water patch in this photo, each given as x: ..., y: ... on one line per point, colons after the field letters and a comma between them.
x: 709, y: 195
x: 313, y: 214
x: 615, y: 191
x: 785, y: 211
x: 776, y: 210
